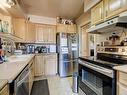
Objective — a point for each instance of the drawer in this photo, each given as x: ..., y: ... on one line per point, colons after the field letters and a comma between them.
x: 123, y: 78
x: 122, y: 89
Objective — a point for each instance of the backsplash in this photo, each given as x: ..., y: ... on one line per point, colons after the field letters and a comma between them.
x: 29, y: 48
x: 105, y: 37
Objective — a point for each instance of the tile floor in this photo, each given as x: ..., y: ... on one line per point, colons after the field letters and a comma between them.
x: 59, y: 86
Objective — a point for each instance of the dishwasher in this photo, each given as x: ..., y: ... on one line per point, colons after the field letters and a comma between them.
x: 21, y: 85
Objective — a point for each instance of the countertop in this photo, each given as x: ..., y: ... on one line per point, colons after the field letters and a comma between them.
x: 2, y: 83
x: 44, y: 53
x: 10, y: 70
x: 122, y: 68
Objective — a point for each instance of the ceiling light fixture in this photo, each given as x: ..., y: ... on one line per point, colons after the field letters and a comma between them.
x: 7, y: 3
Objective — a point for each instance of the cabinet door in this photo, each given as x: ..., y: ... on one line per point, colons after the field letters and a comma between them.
x: 39, y: 65
x: 114, y: 7
x: 61, y: 28
x: 46, y: 34
x: 51, y: 34
x: 51, y: 64
x: 84, y: 49
x: 50, y: 67
x: 71, y: 28
x: 19, y: 26
x: 31, y: 32
x: 41, y: 33
x: 122, y: 89
x: 31, y: 75
x: 30, y: 80
x: 5, y: 91
x: 97, y: 13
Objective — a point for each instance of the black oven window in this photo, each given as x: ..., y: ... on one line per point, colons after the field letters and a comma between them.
x: 94, y: 83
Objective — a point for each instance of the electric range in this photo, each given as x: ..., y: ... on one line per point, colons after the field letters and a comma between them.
x: 96, y: 74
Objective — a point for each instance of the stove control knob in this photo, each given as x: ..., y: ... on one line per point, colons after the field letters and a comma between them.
x: 102, y: 49
x: 98, y: 49
x: 123, y: 50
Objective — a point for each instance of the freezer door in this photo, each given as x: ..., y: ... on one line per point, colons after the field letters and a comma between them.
x: 65, y: 68
x: 65, y: 57
x: 73, y: 45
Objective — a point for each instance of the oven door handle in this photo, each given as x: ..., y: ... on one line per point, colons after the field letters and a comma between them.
x: 104, y: 71
x: 21, y: 81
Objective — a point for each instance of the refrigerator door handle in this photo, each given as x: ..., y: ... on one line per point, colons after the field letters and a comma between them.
x: 70, y: 61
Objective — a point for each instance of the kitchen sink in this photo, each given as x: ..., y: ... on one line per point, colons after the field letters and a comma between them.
x: 17, y: 58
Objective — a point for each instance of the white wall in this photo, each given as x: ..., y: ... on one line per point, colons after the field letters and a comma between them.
x: 42, y: 19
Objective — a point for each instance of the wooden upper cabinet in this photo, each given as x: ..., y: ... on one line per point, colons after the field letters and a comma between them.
x: 40, y: 29
x: 19, y: 27
x: 46, y: 33
x: 51, y: 34
x: 61, y: 28
x: 66, y: 28
x: 84, y: 48
x: 107, y: 9
x: 31, y: 32
x: 97, y: 15
x: 71, y: 28
x: 114, y: 7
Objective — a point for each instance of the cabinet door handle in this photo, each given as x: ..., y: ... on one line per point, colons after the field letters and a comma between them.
x: 106, y: 13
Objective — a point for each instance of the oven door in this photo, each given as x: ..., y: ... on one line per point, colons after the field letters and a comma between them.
x: 93, y: 82
x: 22, y: 83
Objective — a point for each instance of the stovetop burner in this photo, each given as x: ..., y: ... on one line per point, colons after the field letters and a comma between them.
x: 105, y: 60
x: 108, y: 56
x: 94, y: 60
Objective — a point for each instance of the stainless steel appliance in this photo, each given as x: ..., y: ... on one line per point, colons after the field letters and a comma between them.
x: 21, y: 85
x: 30, y: 49
x: 114, y: 24
x: 96, y: 74
x: 67, y: 49
x: 44, y: 49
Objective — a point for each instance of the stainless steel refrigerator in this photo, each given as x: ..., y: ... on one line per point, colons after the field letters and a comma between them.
x: 67, y: 49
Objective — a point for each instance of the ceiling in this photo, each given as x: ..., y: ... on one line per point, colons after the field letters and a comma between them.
x: 69, y: 9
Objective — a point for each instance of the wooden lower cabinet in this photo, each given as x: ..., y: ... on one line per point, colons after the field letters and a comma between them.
x: 45, y: 64
x: 51, y: 64
x: 5, y: 90
x: 39, y: 65
x: 121, y: 83
x: 31, y: 75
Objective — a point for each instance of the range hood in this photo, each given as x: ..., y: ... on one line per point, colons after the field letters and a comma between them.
x: 114, y: 24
